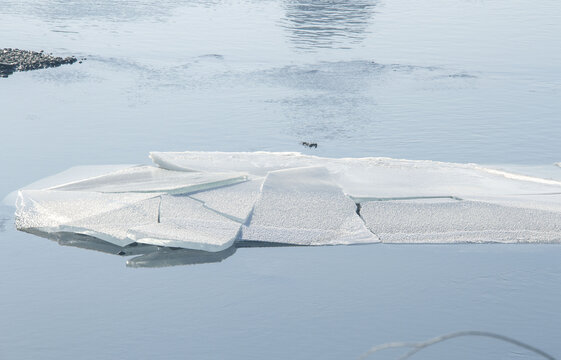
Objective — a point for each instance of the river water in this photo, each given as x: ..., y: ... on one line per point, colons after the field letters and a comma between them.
x: 458, y: 81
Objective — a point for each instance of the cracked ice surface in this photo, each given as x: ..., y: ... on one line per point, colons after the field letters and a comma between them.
x: 235, y: 201
x: 152, y: 179
x: 290, y: 198
x: 105, y: 216
x: 304, y: 206
x: 365, y: 178
x: 459, y: 221
x: 185, y: 222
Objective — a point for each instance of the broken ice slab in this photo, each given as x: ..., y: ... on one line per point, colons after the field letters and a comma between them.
x: 459, y: 221
x: 70, y: 175
x: 304, y: 207
x: 234, y: 201
x: 104, y: 216
x: 365, y: 178
x: 186, y: 223
x: 257, y: 163
x: 152, y: 179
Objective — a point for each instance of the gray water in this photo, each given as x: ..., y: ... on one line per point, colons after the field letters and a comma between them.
x: 459, y: 81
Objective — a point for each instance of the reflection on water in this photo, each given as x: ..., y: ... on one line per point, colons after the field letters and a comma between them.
x: 415, y: 347
x: 150, y: 256
x: 327, y: 24
x: 54, y: 10
x: 5, y: 217
x: 172, y: 257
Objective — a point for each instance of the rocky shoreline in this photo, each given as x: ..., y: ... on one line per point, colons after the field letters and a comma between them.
x: 12, y: 60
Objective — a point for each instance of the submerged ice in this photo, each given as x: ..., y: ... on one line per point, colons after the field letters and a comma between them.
x: 209, y: 201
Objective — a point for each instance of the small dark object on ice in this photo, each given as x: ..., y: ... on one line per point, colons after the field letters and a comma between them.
x: 12, y: 60
x: 310, y: 145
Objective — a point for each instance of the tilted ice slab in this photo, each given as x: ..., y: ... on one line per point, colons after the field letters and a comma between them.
x: 368, y: 178
x: 304, y: 206
x: 73, y: 174
x: 185, y: 222
x: 458, y: 221
x: 104, y: 216
x: 234, y: 201
x: 152, y: 179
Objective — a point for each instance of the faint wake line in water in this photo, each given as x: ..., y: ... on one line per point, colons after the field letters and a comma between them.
x: 418, y: 346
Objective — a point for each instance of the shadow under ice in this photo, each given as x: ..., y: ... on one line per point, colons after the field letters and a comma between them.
x: 150, y: 256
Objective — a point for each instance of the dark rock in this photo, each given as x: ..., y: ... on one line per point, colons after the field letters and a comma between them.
x: 12, y: 60
x: 310, y: 145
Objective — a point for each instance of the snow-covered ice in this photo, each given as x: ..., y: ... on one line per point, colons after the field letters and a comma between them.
x: 234, y: 201
x: 206, y: 201
x: 459, y: 221
x: 303, y: 206
x: 185, y: 222
x: 105, y: 216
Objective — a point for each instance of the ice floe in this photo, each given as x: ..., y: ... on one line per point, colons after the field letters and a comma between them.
x: 209, y: 202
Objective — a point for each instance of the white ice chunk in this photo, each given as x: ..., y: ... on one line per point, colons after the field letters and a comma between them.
x: 186, y: 223
x: 153, y: 179
x: 73, y: 174
x: 304, y: 207
x: 257, y: 163
x: 105, y: 216
x: 365, y: 178
x: 454, y: 221
x: 234, y: 201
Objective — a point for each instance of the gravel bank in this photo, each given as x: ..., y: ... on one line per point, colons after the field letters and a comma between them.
x: 12, y: 60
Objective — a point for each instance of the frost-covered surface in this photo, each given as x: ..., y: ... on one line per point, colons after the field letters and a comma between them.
x: 304, y: 206
x: 235, y: 201
x: 186, y: 223
x: 105, y: 216
x: 457, y: 221
x: 210, y: 200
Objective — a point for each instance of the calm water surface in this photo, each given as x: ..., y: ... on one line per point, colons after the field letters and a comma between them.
x: 460, y: 81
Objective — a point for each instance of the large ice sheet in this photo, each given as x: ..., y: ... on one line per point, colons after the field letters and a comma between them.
x: 459, y: 221
x: 186, y: 223
x: 104, y: 216
x: 152, y: 179
x: 365, y: 178
x: 304, y: 207
x: 234, y: 201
